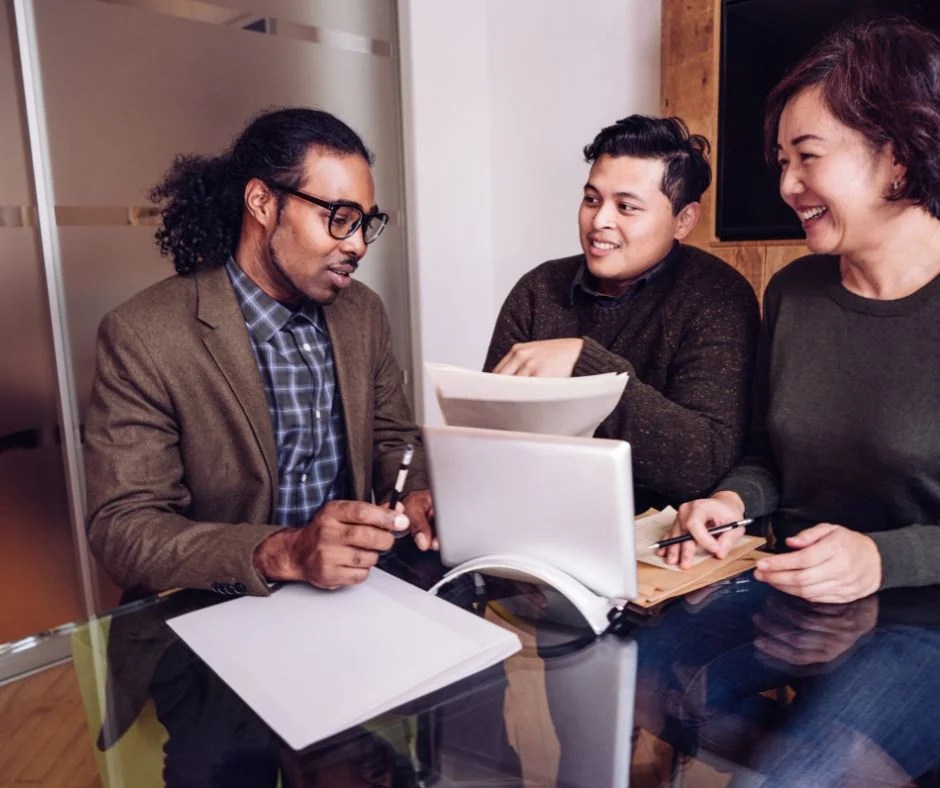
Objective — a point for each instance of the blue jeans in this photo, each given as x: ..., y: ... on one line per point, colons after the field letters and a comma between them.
x: 873, y: 705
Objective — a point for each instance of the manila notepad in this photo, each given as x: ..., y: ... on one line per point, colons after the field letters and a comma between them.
x: 658, y: 581
x: 313, y: 663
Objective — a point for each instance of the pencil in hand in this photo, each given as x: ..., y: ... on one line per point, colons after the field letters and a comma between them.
x: 714, y: 531
x: 400, y: 481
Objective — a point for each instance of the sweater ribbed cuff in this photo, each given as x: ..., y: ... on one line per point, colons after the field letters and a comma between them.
x: 750, y: 493
x: 595, y: 359
x: 908, y: 556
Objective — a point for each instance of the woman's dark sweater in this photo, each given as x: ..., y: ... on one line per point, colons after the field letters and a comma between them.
x: 847, y: 417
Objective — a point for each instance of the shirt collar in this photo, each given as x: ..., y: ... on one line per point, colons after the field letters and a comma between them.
x: 582, y: 281
x: 264, y: 316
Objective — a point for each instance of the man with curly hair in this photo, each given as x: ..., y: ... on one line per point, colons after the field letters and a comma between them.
x: 681, y: 322
x: 246, y: 411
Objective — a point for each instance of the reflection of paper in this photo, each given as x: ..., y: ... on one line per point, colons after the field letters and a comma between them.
x: 554, y: 406
x: 651, y: 529
x: 313, y: 663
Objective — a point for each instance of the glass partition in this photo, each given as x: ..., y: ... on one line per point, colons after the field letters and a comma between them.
x: 126, y: 85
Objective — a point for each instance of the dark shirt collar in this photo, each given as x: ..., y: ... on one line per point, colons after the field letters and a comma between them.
x: 264, y: 316
x: 583, y: 280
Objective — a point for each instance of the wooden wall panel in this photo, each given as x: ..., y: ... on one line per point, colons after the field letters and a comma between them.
x: 751, y: 261
x: 690, y: 47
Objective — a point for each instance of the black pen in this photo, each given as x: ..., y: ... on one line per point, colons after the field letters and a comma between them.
x: 400, y: 481
x: 715, y: 530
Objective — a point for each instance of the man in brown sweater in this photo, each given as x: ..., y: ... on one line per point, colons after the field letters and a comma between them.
x: 246, y: 411
x: 682, y: 323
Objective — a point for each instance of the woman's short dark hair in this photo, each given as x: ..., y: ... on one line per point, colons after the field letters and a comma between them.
x: 201, y: 198
x: 688, y: 173
x: 882, y: 79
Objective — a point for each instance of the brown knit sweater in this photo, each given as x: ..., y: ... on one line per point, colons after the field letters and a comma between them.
x: 687, y: 340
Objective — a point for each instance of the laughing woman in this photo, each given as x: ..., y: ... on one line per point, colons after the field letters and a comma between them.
x: 845, y: 447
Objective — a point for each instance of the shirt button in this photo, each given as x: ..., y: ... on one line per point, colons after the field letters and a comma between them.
x: 307, y: 346
x: 318, y: 414
x: 303, y: 478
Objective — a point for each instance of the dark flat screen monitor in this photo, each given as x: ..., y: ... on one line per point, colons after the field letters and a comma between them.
x: 761, y: 40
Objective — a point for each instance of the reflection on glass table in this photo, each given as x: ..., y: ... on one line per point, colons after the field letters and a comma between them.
x: 736, y: 685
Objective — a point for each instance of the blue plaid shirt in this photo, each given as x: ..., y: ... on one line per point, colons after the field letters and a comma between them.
x: 295, y: 358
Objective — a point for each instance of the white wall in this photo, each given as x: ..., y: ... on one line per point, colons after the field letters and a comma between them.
x: 559, y: 71
x: 500, y: 96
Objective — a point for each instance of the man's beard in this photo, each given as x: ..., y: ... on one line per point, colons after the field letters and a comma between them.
x: 276, y: 264
x: 285, y: 277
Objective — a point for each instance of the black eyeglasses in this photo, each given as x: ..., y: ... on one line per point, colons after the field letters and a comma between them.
x: 345, y: 217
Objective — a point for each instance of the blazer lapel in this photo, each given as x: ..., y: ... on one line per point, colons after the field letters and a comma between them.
x: 229, y: 346
x: 343, y: 340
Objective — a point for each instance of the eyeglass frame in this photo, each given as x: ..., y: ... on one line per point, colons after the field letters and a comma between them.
x: 333, y: 207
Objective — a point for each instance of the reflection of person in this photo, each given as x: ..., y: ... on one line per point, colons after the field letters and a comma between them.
x: 213, y: 737
x: 846, y: 445
x: 245, y: 411
x: 804, y: 637
x: 680, y: 322
x: 862, y: 673
x: 216, y: 740
x: 362, y: 759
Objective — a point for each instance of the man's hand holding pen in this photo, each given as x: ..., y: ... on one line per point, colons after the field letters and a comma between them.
x: 336, y: 548
x: 418, y: 506
x: 420, y: 511
x: 345, y: 539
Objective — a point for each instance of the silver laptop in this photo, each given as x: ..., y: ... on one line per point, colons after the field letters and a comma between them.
x: 565, y: 501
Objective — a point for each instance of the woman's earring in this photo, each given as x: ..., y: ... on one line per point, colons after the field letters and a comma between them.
x: 895, y: 186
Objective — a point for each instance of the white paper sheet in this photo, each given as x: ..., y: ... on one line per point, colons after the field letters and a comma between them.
x: 651, y: 529
x: 313, y: 663
x: 554, y: 406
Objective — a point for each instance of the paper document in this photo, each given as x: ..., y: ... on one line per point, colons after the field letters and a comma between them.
x: 650, y: 529
x: 553, y: 406
x: 313, y: 663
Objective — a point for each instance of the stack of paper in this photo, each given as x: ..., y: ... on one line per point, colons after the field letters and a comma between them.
x: 554, y: 406
x: 313, y: 663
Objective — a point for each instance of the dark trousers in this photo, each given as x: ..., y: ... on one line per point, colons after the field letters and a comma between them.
x: 214, y: 738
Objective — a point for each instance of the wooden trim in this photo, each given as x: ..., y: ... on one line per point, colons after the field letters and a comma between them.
x: 716, y: 73
x: 690, y: 62
x: 716, y: 244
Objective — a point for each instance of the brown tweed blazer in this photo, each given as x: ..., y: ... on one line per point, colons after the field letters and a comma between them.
x: 180, y: 457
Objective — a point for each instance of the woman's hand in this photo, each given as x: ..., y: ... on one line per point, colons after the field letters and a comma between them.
x: 696, y: 517
x: 829, y: 563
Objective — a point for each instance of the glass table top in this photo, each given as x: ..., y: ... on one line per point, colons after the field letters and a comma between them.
x: 736, y: 684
